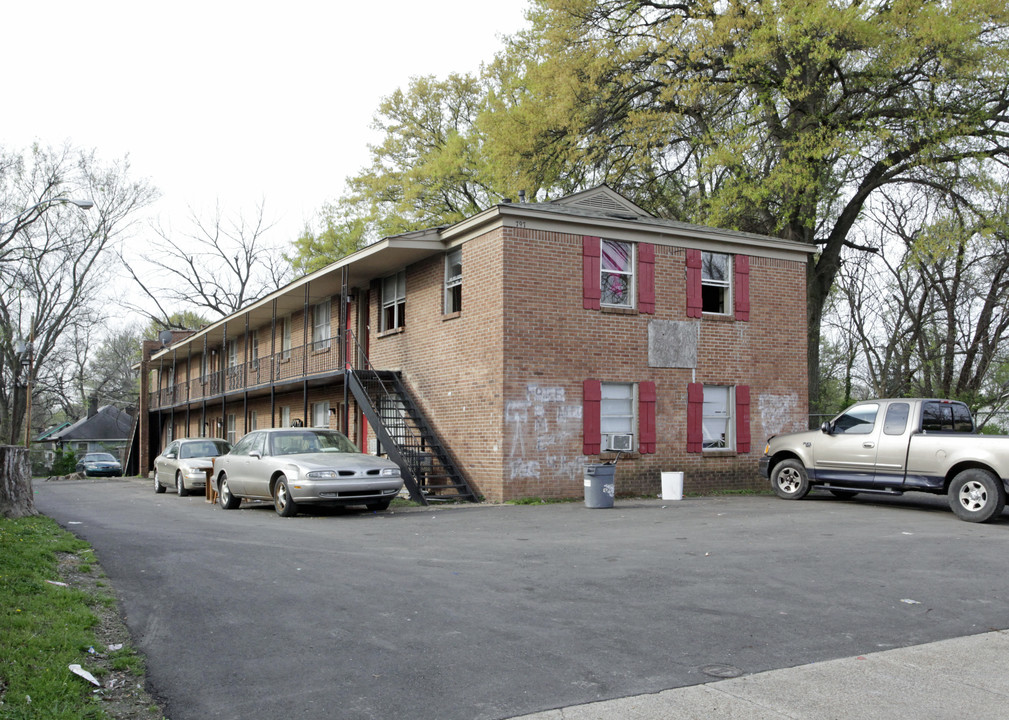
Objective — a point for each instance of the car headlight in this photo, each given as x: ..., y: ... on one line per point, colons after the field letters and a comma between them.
x: 390, y: 472
x: 322, y: 474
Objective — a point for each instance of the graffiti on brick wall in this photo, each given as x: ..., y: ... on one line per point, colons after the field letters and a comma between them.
x: 778, y: 414
x: 543, y: 429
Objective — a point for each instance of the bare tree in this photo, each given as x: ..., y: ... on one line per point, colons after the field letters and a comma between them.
x: 218, y: 264
x: 52, y: 254
x: 110, y: 377
x: 930, y: 312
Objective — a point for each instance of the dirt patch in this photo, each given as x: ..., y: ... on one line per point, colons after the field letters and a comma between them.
x: 115, y: 662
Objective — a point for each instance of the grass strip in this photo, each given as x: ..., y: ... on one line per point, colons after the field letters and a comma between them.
x: 45, y: 627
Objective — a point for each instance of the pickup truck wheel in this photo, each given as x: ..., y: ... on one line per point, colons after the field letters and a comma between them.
x: 976, y: 495
x: 789, y: 480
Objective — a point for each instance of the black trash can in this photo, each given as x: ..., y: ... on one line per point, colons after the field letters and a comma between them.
x: 599, y: 485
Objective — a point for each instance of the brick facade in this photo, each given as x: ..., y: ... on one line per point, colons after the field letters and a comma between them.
x: 502, y: 381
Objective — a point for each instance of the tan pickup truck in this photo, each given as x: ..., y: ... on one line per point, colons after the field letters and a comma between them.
x: 893, y: 446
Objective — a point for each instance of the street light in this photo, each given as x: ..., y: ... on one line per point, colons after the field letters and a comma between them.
x: 24, y: 351
x: 82, y: 204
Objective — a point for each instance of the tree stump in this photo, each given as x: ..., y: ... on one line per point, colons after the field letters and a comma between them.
x: 16, y: 498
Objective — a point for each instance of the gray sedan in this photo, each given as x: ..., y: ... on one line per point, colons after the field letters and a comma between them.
x: 295, y: 466
x: 186, y: 463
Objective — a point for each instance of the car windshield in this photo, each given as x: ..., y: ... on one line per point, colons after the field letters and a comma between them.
x: 204, y: 448
x: 99, y: 457
x: 310, y: 441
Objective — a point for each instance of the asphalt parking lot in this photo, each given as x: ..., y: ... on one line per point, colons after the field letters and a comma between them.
x: 500, y: 611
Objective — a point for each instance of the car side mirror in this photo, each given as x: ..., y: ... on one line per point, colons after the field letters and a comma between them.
x: 827, y: 427
x: 255, y: 454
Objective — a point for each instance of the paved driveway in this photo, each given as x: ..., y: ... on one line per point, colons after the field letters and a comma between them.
x: 493, y: 612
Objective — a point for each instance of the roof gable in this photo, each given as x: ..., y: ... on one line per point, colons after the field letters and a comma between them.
x: 109, y: 423
x: 605, y: 199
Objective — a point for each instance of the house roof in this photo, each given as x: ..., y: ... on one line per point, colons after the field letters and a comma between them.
x: 44, y: 437
x: 599, y: 210
x: 109, y: 423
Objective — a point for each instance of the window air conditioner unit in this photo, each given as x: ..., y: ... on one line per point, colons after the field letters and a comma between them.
x: 621, y: 443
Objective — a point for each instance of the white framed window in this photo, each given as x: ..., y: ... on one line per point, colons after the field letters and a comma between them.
x: 321, y: 325
x: 232, y: 353
x: 232, y: 435
x: 204, y: 364
x: 453, y: 281
x: 394, y: 301
x: 285, y: 416
x: 285, y: 338
x: 253, y: 420
x: 716, y: 283
x: 320, y: 414
x: 716, y: 422
x: 169, y: 433
x: 254, y: 349
x: 616, y: 269
x: 617, y: 418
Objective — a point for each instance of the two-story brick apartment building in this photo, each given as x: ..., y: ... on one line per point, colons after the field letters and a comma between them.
x: 511, y: 349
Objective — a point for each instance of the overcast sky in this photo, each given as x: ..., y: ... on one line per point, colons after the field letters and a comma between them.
x: 228, y: 100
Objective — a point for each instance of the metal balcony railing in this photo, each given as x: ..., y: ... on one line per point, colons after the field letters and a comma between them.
x: 299, y: 362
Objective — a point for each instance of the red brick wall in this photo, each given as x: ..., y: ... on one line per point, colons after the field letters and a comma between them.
x: 453, y: 364
x: 502, y: 383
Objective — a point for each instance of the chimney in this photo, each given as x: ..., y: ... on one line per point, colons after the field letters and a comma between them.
x: 92, y: 406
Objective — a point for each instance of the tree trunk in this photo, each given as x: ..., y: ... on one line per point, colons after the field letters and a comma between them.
x: 16, y: 498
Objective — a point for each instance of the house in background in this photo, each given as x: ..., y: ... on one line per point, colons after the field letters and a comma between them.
x: 498, y: 356
x: 105, y: 429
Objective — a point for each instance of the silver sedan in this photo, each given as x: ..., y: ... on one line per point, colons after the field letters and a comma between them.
x: 186, y: 463
x: 295, y: 466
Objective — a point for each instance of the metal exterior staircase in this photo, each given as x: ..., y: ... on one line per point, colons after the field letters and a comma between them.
x: 407, y: 438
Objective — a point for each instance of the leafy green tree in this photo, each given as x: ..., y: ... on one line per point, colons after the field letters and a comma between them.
x: 428, y: 170
x: 341, y: 233
x: 781, y: 117
x: 179, y: 320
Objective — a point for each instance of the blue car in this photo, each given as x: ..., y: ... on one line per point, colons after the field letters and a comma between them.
x: 99, y: 465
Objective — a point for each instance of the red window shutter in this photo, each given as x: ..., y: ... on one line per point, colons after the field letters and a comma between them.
x: 646, y: 278
x: 694, y: 283
x: 743, y: 418
x: 695, y: 417
x: 646, y: 417
x: 592, y: 395
x: 742, y: 289
x: 590, y: 273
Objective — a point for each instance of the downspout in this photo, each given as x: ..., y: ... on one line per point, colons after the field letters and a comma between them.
x: 274, y: 366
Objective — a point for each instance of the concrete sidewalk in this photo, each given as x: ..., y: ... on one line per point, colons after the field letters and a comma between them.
x: 962, y: 677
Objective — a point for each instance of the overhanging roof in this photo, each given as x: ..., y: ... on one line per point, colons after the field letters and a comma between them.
x: 600, y: 211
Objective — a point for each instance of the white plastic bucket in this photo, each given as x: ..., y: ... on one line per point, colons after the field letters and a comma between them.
x: 672, y: 485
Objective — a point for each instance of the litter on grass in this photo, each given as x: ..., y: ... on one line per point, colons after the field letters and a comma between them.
x: 81, y: 672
